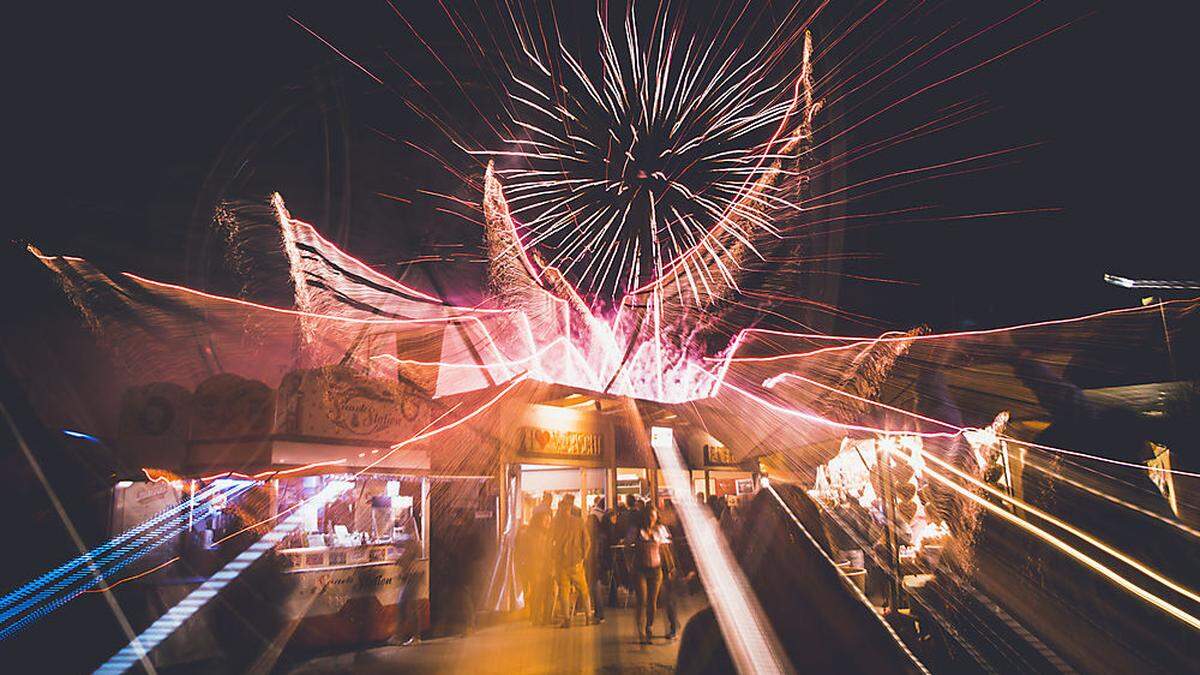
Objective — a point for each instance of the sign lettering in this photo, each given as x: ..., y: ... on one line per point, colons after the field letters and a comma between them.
x: 566, y: 444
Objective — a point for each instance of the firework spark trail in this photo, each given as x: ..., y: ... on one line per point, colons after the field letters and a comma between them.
x: 650, y: 76
x: 895, y: 336
x: 949, y: 78
x: 714, y: 383
x: 956, y: 431
x: 945, y: 120
x: 694, y: 94
x: 921, y: 169
x: 337, y: 51
x: 772, y: 381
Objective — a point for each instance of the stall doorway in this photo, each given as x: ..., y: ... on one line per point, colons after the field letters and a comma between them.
x: 557, y: 480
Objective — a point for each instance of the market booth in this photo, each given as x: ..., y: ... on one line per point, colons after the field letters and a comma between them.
x: 715, y: 470
x: 565, y: 445
x: 356, y: 570
x: 577, y: 442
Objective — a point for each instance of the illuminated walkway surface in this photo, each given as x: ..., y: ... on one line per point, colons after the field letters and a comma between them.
x: 517, y: 647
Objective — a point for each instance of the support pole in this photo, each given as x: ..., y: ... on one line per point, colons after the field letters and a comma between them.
x: 425, y: 516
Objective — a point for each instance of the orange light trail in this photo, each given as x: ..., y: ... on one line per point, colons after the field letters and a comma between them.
x: 139, y: 575
x: 1119, y: 555
x: 1043, y: 534
x: 1071, y: 551
x: 1116, y: 500
x: 770, y: 382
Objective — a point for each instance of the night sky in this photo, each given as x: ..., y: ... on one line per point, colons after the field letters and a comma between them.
x: 129, y: 122
x: 124, y: 112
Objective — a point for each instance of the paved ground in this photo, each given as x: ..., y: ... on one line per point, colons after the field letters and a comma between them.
x: 518, y: 647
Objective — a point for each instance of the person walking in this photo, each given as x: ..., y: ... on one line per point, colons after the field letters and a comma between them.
x: 536, y: 568
x: 671, y: 574
x: 571, y: 546
x: 644, y: 545
x: 545, y: 506
x: 597, y: 555
x: 613, y: 553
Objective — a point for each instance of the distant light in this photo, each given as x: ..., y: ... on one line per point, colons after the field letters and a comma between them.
x: 764, y: 482
x: 79, y: 434
x: 1161, y: 284
x: 122, y: 484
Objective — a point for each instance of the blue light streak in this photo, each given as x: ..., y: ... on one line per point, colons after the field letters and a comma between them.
x: 79, y: 434
x: 161, y: 629
x: 95, y: 569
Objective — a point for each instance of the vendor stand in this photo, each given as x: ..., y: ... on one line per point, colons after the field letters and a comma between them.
x: 356, y: 571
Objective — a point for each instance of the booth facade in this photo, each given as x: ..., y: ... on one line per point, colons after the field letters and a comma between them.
x: 357, y: 569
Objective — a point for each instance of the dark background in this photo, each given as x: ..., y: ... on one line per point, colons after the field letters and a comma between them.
x: 124, y: 113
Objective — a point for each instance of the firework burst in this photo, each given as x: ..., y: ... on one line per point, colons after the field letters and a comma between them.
x: 630, y: 156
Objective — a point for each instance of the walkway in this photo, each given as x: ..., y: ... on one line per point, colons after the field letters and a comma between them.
x: 518, y: 647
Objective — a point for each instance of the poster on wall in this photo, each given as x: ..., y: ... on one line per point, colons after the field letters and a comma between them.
x: 339, y: 403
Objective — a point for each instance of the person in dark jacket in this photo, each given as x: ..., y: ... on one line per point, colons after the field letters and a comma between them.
x: 614, y: 554
x: 670, y: 577
x: 597, y: 555
x: 571, y: 546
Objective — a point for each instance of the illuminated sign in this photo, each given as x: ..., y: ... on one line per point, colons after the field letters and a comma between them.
x: 562, y: 444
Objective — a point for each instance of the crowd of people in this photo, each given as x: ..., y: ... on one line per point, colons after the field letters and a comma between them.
x: 568, y: 562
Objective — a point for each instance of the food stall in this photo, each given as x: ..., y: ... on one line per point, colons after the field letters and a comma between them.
x: 356, y: 570
x: 714, y: 469
x: 352, y: 563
